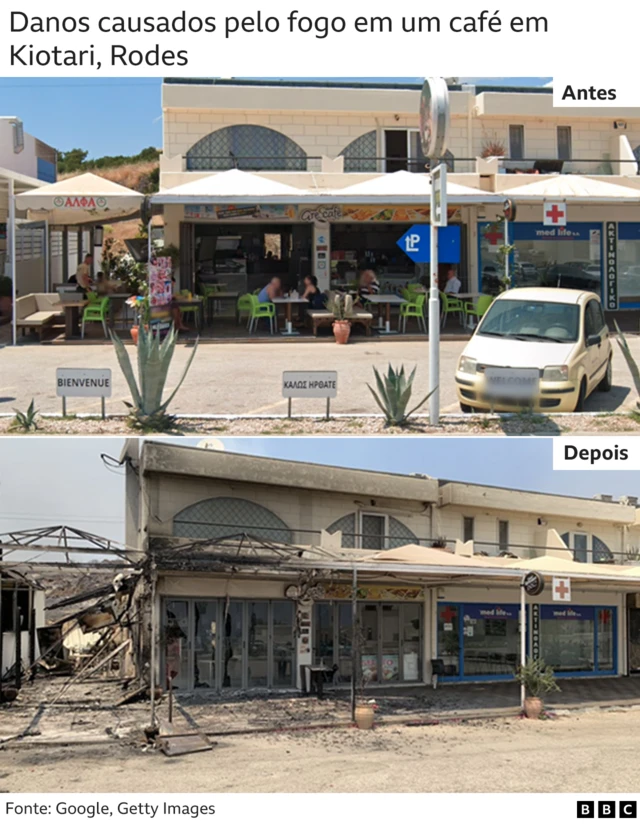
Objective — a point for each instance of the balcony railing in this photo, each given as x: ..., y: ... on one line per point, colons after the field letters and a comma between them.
x: 381, y: 165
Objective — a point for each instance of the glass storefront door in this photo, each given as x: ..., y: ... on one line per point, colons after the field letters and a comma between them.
x: 578, y: 640
x: 478, y: 640
x: 557, y: 256
x: 176, y: 642
x: 391, y: 640
x: 218, y: 644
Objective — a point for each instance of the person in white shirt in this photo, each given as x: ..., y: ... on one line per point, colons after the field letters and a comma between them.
x: 453, y: 284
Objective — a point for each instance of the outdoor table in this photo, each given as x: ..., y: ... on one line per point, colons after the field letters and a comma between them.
x: 212, y: 297
x: 117, y: 301
x: 388, y: 301
x: 72, y: 318
x: 288, y: 303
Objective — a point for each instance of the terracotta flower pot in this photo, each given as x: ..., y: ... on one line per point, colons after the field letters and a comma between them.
x: 364, y: 717
x: 533, y: 707
x: 341, y: 330
x: 134, y: 334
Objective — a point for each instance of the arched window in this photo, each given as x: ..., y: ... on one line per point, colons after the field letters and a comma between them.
x: 251, y: 148
x: 220, y: 517
x: 588, y: 548
x: 368, y: 530
x: 360, y: 154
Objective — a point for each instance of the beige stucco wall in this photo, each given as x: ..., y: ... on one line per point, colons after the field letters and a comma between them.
x: 305, y: 512
x: 325, y: 121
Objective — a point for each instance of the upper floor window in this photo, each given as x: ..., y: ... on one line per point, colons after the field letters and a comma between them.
x: 564, y: 142
x: 587, y: 548
x: 360, y: 155
x: 250, y: 148
x: 403, y: 151
x: 516, y: 142
x: 468, y: 530
x: 373, y: 530
x: 217, y: 518
x: 503, y: 536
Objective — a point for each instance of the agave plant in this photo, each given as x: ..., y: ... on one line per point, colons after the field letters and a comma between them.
x: 394, y: 394
x: 631, y: 363
x: 25, y: 421
x: 148, y: 410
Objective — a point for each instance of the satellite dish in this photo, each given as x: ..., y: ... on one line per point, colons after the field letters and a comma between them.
x: 212, y: 443
x: 434, y: 117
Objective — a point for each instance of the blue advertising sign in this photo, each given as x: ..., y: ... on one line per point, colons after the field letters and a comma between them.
x: 416, y: 243
x: 567, y: 613
x: 537, y: 231
x: 628, y: 231
x: 491, y: 611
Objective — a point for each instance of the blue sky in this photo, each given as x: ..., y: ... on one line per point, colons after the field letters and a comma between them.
x: 116, y: 115
x: 75, y: 488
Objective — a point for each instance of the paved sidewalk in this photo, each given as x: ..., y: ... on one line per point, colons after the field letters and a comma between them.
x: 247, y: 378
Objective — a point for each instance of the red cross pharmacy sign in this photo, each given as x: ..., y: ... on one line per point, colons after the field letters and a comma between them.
x: 554, y: 214
x: 561, y: 589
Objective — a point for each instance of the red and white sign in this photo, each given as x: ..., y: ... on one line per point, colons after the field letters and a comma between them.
x: 554, y: 214
x: 561, y: 589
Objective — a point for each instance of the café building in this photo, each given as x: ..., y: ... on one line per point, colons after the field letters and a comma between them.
x: 257, y: 561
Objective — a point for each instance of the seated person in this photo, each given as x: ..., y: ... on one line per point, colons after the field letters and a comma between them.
x: 453, y: 284
x: 272, y: 290
x: 176, y: 314
x: 83, y: 275
x: 367, y: 284
x: 311, y: 292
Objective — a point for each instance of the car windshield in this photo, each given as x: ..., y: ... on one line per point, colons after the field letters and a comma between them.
x: 532, y: 320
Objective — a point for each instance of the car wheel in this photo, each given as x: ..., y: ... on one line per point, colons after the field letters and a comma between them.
x: 606, y: 383
x: 581, y: 396
x: 468, y: 410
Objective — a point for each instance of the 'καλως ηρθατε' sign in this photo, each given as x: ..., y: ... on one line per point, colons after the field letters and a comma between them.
x: 309, y: 384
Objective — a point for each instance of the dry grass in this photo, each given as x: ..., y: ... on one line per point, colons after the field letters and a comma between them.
x: 132, y: 175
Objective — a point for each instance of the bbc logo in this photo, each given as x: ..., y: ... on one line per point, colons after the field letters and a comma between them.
x: 607, y: 809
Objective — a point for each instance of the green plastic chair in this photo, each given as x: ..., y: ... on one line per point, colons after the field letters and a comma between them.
x: 415, y: 288
x: 96, y: 311
x: 479, y: 309
x: 192, y: 309
x: 449, y: 304
x: 243, y: 305
x: 261, y: 310
x: 413, y: 309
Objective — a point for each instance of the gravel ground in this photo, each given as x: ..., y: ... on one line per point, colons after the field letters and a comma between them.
x: 583, y: 752
x: 602, y: 424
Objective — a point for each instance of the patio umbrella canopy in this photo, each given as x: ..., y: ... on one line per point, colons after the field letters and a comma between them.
x: 86, y: 198
x: 21, y: 183
x: 233, y: 186
x: 574, y: 188
x: 409, y: 187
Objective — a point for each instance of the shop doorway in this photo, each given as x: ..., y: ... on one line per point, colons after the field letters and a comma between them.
x: 391, y: 640
x: 235, y: 644
x: 634, y: 639
x: 244, y: 255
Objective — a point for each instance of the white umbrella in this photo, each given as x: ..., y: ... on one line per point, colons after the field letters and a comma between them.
x: 573, y: 188
x: 86, y: 198
x: 232, y: 186
x: 409, y: 187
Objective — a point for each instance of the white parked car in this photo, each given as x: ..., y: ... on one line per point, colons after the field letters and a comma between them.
x: 540, y: 348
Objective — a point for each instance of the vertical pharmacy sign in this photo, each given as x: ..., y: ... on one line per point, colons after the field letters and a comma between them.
x: 611, y: 265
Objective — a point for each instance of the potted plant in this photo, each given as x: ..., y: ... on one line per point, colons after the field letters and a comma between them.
x: 6, y: 296
x: 140, y: 305
x: 342, y: 308
x: 364, y: 714
x: 538, y: 679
